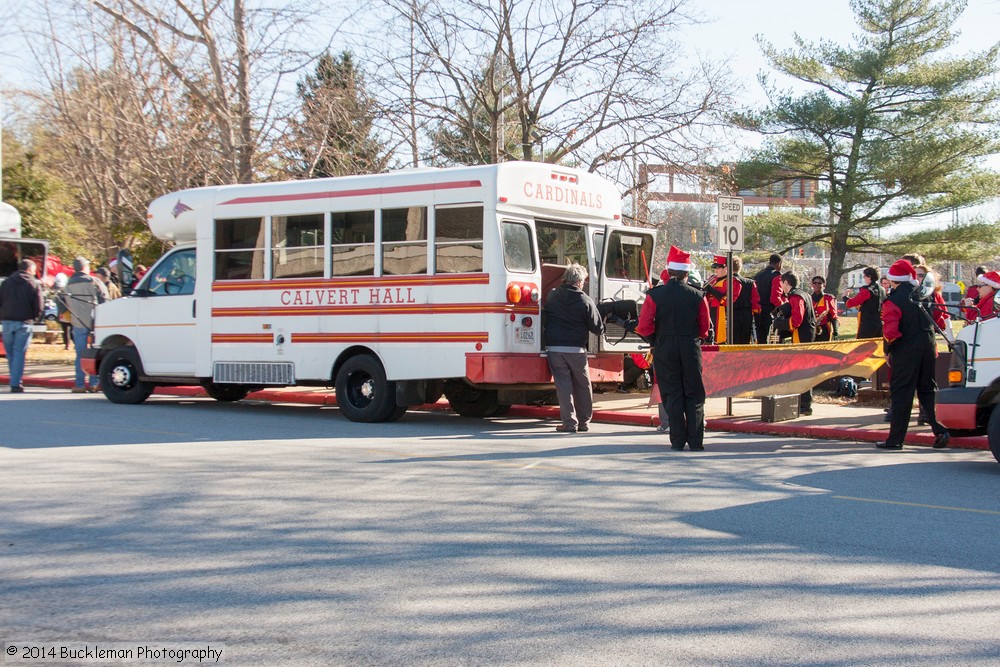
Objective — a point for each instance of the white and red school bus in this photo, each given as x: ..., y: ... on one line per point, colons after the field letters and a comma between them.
x: 393, y: 288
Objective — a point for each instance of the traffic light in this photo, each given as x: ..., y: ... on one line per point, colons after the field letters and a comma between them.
x: 694, y: 236
x: 802, y: 252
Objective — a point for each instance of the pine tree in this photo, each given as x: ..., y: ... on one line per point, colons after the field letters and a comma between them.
x: 895, y: 130
x: 334, y: 136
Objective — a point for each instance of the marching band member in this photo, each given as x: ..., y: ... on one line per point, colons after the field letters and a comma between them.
x: 825, y: 307
x: 715, y: 290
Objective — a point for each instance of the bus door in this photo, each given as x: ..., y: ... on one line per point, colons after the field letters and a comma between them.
x: 624, y: 268
x: 559, y: 245
x: 166, y: 336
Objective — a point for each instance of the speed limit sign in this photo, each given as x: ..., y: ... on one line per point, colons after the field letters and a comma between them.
x: 731, y: 223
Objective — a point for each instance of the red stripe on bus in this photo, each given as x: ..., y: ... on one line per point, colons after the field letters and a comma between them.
x: 363, y: 192
x: 396, y: 337
x: 385, y: 309
x: 242, y: 338
x: 337, y: 283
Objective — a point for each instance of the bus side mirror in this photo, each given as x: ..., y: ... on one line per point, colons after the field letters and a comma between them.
x: 126, y: 272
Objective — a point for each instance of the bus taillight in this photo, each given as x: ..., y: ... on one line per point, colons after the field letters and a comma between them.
x: 522, y: 292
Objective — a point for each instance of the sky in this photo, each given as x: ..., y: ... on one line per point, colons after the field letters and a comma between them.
x: 737, y: 22
x: 733, y: 28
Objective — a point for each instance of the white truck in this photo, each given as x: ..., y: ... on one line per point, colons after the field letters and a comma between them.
x: 969, y: 405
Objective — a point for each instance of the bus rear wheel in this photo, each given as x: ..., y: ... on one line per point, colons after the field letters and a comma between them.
x: 363, y: 392
x: 227, y: 393
x: 471, y: 402
x: 119, y: 373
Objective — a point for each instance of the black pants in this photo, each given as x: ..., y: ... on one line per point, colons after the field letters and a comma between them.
x: 743, y: 328
x: 677, y: 362
x: 912, y: 371
x: 763, y: 322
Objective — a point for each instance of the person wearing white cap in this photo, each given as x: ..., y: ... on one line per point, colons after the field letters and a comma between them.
x: 989, y: 283
x: 675, y: 316
x: 911, y: 349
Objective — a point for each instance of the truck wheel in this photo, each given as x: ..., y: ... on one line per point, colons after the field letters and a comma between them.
x: 227, y: 393
x: 119, y: 373
x: 993, y: 432
x: 471, y: 402
x: 363, y: 393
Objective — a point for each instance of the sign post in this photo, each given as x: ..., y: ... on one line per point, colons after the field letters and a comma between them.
x: 730, y: 237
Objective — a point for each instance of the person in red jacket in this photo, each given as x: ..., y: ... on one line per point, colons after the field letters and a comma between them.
x: 802, y: 321
x: 715, y: 290
x: 869, y: 301
x: 825, y: 306
x: 989, y: 283
x: 910, y: 347
x: 675, y: 316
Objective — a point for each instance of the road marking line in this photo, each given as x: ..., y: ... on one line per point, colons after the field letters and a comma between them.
x: 933, y: 507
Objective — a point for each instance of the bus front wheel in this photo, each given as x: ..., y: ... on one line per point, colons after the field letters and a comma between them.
x: 119, y: 373
x: 363, y: 392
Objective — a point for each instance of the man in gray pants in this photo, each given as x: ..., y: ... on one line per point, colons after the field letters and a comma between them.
x: 570, y: 317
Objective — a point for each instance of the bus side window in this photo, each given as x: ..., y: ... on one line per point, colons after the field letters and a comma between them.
x: 404, y: 241
x: 458, y: 239
x: 239, y: 249
x: 297, y: 246
x: 352, y: 243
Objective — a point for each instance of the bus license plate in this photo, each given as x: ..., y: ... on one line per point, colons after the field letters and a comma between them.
x: 525, y: 335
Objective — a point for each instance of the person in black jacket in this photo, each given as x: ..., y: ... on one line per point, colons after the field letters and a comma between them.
x: 21, y: 303
x: 570, y: 317
x: 869, y: 301
x: 769, y: 291
x: 910, y: 346
x: 675, y: 316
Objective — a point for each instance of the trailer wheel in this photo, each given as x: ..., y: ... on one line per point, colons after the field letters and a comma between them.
x: 993, y: 432
x: 471, y: 402
x: 119, y: 373
x: 363, y: 393
x: 227, y: 393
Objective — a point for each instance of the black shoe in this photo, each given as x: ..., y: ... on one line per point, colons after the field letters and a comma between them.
x: 583, y: 428
x: 17, y: 390
x: 565, y: 429
x: 942, y: 439
x: 886, y: 445
x: 676, y: 448
x: 806, y: 413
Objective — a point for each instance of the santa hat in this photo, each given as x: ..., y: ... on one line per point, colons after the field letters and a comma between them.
x: 991, y: 278
x: 678, y: 260
x: 719, y: 261
x: 902, y: 272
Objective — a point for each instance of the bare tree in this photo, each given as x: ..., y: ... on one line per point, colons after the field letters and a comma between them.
x: 589, y: 82
x: 228, y: 58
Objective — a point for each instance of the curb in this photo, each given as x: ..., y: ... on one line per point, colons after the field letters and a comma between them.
x: 727, y: 424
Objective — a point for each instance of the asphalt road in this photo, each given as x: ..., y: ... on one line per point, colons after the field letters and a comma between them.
x: 294, y: 537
